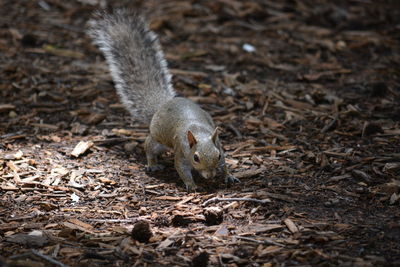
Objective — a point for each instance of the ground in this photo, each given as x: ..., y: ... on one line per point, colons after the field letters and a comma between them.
x: 306, y: 94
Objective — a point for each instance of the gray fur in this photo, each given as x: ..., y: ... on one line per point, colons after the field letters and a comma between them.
x: 136, y: 61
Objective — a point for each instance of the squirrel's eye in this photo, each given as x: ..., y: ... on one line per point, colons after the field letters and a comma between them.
x: 219, y: 156
x: 196, y: 158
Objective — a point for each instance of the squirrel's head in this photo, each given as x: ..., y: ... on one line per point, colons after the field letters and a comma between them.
x: 204, y: 153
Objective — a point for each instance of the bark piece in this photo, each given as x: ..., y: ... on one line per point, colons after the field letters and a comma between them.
x: 81, y: 148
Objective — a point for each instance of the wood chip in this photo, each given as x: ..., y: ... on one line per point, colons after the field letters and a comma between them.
x: 81, y: 148
x: 249, y: 173
x: 170, y: 198
x: 6, y: 107
x: 290, y: 225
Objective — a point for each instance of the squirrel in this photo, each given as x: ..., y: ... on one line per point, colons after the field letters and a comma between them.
x: 143, y: 83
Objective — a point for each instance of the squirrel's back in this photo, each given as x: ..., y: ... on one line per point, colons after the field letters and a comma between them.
x: 180, y: 115
x: 136, y: 62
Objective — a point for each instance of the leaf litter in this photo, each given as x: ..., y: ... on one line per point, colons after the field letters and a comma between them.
x: 307, y: 98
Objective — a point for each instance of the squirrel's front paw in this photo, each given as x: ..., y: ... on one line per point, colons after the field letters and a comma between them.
x: 157, y: 167
x: 230, y: 179
x: 191, y: 187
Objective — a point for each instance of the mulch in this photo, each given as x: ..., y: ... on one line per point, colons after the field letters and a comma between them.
x: 307, y: 96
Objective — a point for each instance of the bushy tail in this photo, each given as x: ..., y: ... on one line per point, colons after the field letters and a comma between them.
x: 135, y: 59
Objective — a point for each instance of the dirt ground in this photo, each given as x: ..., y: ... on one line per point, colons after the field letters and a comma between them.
x: 307, y: 96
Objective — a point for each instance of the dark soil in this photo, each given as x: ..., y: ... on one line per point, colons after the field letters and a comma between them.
x: 306, y: 93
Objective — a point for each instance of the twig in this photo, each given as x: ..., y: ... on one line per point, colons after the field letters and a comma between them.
x: 48, y: 258
x: 23, y: 255
x: 40, y: 255
x: 331, y: 125
x: 21, y: 218
x: 264, y: 242
x: 218, y: 199
x: 112, y: 220
x: 235, y: 130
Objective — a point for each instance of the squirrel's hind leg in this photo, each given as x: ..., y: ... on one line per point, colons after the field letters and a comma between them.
x: 153, y: 150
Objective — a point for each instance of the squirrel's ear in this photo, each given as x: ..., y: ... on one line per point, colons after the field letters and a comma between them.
x: 191, y: 139
x: 215, y: 135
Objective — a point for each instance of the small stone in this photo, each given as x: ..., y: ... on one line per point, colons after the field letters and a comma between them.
x: 142, y: 211
x: 229, y: 91
x: 340, y: 45
x: 248, y: 48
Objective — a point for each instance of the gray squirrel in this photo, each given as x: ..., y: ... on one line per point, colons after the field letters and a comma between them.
x: 143, y: 83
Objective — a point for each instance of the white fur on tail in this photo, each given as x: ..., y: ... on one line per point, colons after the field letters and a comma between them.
x: 135, y: 60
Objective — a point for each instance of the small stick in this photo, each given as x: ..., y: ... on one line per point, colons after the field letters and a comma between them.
x: 331, y: 125
x: 235, y: 130
x: 23, y: 255
x: 264, y: 242
x: 218, y: 199
x: 112, y: 220
x: 47, y: 258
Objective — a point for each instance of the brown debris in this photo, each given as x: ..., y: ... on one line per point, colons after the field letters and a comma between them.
x: 291, y: 226
x: 141, y: 231
x: 370, y: 129
x: 213, y: 215
x: 201, y: 260
x: 81, y: 148
x: 28, y: 240
x: 181, y: 219
x: 6, y: 107
x: 305, y: 93
x: 249, y: 173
